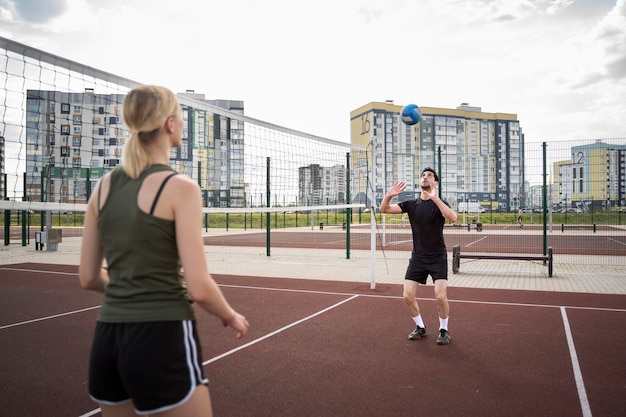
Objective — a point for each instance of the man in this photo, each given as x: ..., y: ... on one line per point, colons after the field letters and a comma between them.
x: 427, y: 215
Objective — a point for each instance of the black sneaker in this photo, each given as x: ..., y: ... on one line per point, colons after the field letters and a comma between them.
x: 444, y: 337
x: 418, y: 333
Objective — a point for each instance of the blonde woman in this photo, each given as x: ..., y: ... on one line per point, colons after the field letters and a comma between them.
x: 144, y: 219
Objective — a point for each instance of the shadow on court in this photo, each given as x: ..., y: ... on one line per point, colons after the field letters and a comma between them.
x: 329, y: 348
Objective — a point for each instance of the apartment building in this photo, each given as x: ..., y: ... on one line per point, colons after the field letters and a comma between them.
x: 73, y: 139
x: 594, y: 177
x: 479, y: 155
x: 318, y: 185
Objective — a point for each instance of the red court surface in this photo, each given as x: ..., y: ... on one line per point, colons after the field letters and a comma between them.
x: 330, y: 348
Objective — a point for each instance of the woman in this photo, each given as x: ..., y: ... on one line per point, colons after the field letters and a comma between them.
x: 145, y: 219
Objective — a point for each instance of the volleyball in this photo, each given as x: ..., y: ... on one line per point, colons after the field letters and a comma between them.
x: 411, y: 114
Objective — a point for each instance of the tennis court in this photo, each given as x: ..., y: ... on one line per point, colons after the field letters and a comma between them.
x: 320, y: 348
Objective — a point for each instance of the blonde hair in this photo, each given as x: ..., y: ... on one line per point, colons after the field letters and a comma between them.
x: 146, y: 109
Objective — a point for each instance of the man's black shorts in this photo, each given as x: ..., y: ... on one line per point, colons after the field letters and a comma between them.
x: 156, y: 365
x: 419, y: 268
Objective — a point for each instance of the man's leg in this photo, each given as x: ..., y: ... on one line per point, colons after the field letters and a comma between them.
x: 443, y: 310
x: 409, y: 295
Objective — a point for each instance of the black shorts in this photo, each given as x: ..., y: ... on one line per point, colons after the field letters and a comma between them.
x: 419, y: 268
x: 156, y: 365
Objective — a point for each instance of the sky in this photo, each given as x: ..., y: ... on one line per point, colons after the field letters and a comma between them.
x: 560, y: 65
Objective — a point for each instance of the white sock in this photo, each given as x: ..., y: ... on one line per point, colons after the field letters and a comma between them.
x: 443, y: 323
x: 418, y: 320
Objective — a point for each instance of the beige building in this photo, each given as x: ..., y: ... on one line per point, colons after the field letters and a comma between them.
x: 479, y: 155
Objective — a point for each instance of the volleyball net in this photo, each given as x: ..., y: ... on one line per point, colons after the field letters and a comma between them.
x: 61, y: 130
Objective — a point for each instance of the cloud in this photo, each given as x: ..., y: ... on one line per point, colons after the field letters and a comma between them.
x: 37, y: 11
x: 610, y: 35
x: 503, y: 11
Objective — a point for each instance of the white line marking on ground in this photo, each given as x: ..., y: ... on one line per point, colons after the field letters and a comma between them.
x: 39, y: 271
x: 267, y: 336
x: 48, y: 317
x: 399, y: 242
x: 476, y: 241
x: 91, y: 413
x: 496, y: 303
x: 578, y: 376
x: 616, y: 241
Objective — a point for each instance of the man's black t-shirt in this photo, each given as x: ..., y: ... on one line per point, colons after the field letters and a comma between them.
x: 427, y: 227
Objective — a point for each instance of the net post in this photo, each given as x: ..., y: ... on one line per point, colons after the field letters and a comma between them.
x: 267, y: 215
x: 7, y: 214
x: 373, y: 220
x: 348, y: 210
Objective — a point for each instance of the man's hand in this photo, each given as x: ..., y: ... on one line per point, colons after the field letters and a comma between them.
x: 397, y: 188
x: 387, y: 208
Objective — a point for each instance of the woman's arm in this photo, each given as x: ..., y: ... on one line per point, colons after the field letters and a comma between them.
x: 91, y: 274
x: 203, y: 289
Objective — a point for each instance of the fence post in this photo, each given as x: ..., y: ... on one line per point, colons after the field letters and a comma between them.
x: 545, y: 200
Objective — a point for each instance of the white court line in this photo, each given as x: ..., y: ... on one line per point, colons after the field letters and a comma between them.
x: 399, y: 242
x: 275, y: 332
x: 616, y: 241
x: 48, y: 317
x: 496, y: 303
x: 578, y: 376
x: 476, y: 241
x: 91, y: 413
x: 39, y: 271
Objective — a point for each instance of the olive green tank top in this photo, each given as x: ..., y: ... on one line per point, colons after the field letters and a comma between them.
x: 145, y: 274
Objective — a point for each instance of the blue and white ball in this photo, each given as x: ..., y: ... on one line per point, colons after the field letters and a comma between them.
x: 411, y: 114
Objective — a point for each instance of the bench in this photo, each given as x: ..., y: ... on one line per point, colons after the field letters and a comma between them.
x: 457, y: 256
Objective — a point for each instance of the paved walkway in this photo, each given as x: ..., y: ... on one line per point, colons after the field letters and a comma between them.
x: 600, y: 275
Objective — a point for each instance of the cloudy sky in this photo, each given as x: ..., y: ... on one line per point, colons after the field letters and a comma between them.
x: 560, y: 65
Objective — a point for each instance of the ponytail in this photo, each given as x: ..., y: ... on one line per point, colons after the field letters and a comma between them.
x: 146, y: 109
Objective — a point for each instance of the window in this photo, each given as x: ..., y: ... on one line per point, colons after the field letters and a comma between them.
x: 100, y: 110
x: 76, y: 163
x: 77, y: 119
x: 76, y: 109
x: 65, y: 108
x: 113, y: 120
x: 76, y: 141
x: 65, y: 150
x: 65, y: 129
x: 112, y: 141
